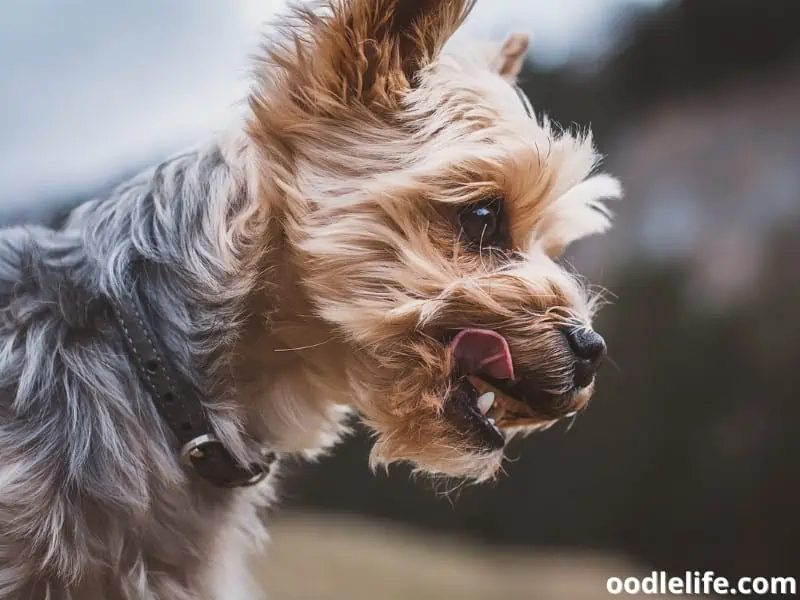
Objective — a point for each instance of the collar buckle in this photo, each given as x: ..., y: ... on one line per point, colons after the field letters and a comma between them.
x: 207, y: 456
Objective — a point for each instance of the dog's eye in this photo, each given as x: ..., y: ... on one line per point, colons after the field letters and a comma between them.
x: 483, y: 224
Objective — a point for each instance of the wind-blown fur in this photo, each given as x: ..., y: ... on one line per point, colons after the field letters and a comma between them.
x: 296, y: 269
x: 92, y: 499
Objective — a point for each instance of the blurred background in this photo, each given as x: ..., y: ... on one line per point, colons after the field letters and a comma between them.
x: 687, y: 459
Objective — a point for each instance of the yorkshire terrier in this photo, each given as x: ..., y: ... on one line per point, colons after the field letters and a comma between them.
x: 379, y: 236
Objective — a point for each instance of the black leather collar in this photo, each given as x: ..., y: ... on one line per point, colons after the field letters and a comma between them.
x: 181, y: 406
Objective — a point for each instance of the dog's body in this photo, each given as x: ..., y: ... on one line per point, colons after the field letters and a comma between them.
x: 300, y: 267
x: 92, y: 498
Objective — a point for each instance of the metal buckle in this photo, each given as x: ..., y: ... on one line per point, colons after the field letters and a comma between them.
x: 195, y: 450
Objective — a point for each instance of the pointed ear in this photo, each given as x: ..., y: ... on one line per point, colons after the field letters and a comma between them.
x: 363, y: 51
x: 508, y: 62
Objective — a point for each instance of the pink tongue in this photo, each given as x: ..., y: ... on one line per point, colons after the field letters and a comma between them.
x: 483, y: 352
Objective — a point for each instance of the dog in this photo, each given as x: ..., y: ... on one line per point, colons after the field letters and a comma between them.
x: 380, y: 236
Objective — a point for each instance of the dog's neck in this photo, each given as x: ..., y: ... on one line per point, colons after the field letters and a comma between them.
x: 289, y: 368
x: 222, y: 291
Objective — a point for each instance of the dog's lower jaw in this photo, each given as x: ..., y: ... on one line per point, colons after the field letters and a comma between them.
x: 475, y: 465
x: 428, y: 440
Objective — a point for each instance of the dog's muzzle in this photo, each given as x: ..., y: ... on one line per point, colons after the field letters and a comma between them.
x: 491, y: 395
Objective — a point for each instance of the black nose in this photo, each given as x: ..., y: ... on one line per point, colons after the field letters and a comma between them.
x: 590, y: 350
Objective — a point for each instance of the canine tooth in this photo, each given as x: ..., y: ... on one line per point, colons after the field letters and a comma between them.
x: 485, y: 402
x: 491, y: 421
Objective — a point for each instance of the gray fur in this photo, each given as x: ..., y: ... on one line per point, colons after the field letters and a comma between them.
x: 93, y: 503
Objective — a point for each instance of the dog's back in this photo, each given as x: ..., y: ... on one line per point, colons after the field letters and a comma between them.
x: 49, y: 323
x: 88, y: 502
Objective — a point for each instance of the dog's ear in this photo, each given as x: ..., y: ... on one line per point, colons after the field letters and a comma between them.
x: 364, y: 51
x: 511, y: 56
x: 579, y: 212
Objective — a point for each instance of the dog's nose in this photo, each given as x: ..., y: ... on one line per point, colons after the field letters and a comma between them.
x: 590, y: 350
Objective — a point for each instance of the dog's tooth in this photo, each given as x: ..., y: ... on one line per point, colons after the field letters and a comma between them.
x: 492, y: 422
x: 485, y: 402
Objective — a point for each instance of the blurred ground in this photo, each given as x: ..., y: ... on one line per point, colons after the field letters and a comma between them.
x: 315, y: 557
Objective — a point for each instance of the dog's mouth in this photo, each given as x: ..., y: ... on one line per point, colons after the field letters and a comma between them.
x: 488, y: 399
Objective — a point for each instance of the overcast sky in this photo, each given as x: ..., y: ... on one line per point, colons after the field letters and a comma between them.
x: 90, y: 88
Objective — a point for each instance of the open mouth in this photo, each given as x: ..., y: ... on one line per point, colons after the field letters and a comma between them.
x: 489, y: 398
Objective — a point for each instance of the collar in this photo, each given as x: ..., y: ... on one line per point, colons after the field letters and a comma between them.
x: 181, y: 406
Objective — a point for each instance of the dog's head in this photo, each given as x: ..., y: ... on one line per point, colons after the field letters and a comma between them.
x: 425, y: 207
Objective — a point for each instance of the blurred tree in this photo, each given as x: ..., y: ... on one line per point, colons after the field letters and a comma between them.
x: 686, y: 47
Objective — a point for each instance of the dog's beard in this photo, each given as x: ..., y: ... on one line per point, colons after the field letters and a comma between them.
x: 450, y: 415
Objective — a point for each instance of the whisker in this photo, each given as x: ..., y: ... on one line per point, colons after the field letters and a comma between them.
x: 614, y: 364
x: 571, y: 423
x: 298, y: 348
